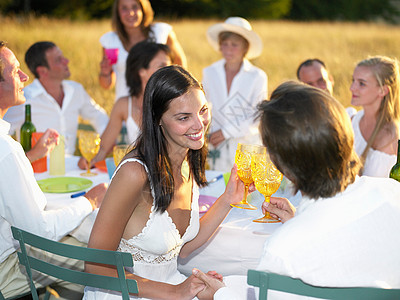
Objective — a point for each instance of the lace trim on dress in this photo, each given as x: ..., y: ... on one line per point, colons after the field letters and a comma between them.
x: 141, y: 255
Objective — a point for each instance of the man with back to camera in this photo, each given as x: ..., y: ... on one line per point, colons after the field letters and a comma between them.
x: 22, y: 203
x: 56, y: 102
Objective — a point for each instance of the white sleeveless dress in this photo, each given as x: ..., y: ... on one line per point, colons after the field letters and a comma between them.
x: 131, y: 127
x: 377, y: 163
x: 155, y: 250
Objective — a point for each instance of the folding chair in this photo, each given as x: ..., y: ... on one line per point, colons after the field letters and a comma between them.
x: 270, y: 281
x: 118, y: 259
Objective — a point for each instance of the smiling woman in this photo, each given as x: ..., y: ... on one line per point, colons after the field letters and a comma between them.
x: 151, y: 208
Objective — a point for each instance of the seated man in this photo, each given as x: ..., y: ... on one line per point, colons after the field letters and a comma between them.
x: 22, y: 203
x: 56, y: 102
x: 343, y: 234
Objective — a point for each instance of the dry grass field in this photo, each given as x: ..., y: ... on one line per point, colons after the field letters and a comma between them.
x: 286, y: 44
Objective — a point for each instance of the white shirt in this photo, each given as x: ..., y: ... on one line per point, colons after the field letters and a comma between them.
x: 159, y: 34
x: 47, y: 113
x: 349, y: 240
x: 377, y: 163
x: 22, y: 203
x: 234, y: 112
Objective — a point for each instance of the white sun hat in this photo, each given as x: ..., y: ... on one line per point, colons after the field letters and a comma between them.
x: 239, y: 26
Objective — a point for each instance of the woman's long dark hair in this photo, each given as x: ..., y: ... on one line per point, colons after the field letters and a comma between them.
x: 165, y: 85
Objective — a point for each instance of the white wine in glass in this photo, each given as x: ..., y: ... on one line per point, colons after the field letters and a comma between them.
x: 267, y: 180
x: 89, y: 145
x: 243, y: 162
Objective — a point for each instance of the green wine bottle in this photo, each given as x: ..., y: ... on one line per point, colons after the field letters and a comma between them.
x: 27, y: 129
x: 395, y: 171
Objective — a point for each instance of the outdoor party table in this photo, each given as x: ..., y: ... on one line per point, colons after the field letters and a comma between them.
x: 235, y: 247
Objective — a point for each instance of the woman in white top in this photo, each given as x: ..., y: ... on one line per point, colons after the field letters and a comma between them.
x: 132, y: 22
x: 143, y: 60
x: 376, y: 87
x: 151, y: 207
x: 233, y: 86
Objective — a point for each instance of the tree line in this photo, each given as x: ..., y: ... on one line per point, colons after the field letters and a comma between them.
x: 302, y: 10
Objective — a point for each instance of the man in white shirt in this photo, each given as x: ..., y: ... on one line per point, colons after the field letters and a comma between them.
x: 344, y: 232
x: 22, y: 203
x: 55, y: 102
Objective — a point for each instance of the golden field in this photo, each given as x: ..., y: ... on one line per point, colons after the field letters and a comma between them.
x: 286, y: 44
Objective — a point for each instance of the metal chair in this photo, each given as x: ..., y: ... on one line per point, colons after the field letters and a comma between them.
x: 118, y: 259
x: 270, y: 281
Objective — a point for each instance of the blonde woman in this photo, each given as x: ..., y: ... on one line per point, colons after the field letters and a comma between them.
x: 132, y: 22
x: 376, y: 87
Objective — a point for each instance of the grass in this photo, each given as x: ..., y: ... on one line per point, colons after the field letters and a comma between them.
x: 286, y: 44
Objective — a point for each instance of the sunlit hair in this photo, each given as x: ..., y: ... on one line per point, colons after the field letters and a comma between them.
x: 139, y: 57
x: 2, y: 46
x: 118, y: 27
x: 224, y: 35
x: 386, y: 73
x: 35, y: 56
x: 308, y: 63
x: 165, y: 85
x: 310, y: 139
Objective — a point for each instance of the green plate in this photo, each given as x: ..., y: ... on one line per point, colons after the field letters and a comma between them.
x: 64, y: 184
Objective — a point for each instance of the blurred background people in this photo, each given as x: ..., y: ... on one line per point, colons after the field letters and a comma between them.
x: 376, y: 88
x: 132, y: 22
x: 55, y: 102
x: 234, y: 87
x: 143, y: 60
x: 22, y: 203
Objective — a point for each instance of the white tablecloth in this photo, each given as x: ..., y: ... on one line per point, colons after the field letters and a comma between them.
x: 235, y: 247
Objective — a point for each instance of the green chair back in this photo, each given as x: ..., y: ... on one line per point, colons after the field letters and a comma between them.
x: 1, y: 296
x: 118, y: 259
x: 270, y: 281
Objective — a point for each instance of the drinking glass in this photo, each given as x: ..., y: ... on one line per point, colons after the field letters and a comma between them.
x: 89, y: 145
x: 243, y: 162
x: 119, y: 152
x: 267, y: 180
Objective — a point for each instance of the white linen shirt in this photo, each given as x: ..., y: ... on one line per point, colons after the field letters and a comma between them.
x: 47, y: 113
x: 22, y: 203
x: 348, y: 240
x: 234, y: 112
x: 159, y: 34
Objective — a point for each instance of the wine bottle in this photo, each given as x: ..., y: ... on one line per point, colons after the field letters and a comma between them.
x: 395, y: 171
x: 27, y: 129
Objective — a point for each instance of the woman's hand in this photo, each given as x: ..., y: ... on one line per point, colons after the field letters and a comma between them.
x: 105, y: 66
x: 234, y: 190
x: 279, y: 208
x: 212, y: 283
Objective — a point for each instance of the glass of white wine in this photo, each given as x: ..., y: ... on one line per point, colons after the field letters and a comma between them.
x: 267, y: 180
x: 89, y: 145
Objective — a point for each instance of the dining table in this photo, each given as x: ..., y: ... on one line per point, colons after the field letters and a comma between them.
x: 236, y: 245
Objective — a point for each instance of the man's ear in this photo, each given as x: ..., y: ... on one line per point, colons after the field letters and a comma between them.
x: 41, y: 71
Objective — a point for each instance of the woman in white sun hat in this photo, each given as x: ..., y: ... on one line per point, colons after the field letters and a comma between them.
x: 234, y: 87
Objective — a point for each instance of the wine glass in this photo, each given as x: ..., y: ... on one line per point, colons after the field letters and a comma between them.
x: 267, y: 180
x: 243, y: 162
x: 89, y: 145
x: 119, y: 152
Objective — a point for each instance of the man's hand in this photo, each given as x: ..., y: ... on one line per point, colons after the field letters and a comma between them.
x: 279, y: 208
x: 44, y: 145
x: 212, y: 281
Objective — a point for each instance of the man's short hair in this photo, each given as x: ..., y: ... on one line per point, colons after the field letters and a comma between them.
x: 36, y: 56
x: 308, y: 63
x: 310, y: 139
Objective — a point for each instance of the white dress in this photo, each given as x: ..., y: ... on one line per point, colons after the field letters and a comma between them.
x: 159, y: 34
x: 155, y: 250
x: 377, y: 163
x: 131, y: 127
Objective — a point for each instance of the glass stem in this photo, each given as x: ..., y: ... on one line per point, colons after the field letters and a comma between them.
x: 246, y: 191
x: 88, y: 167
x: 267, y: 199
